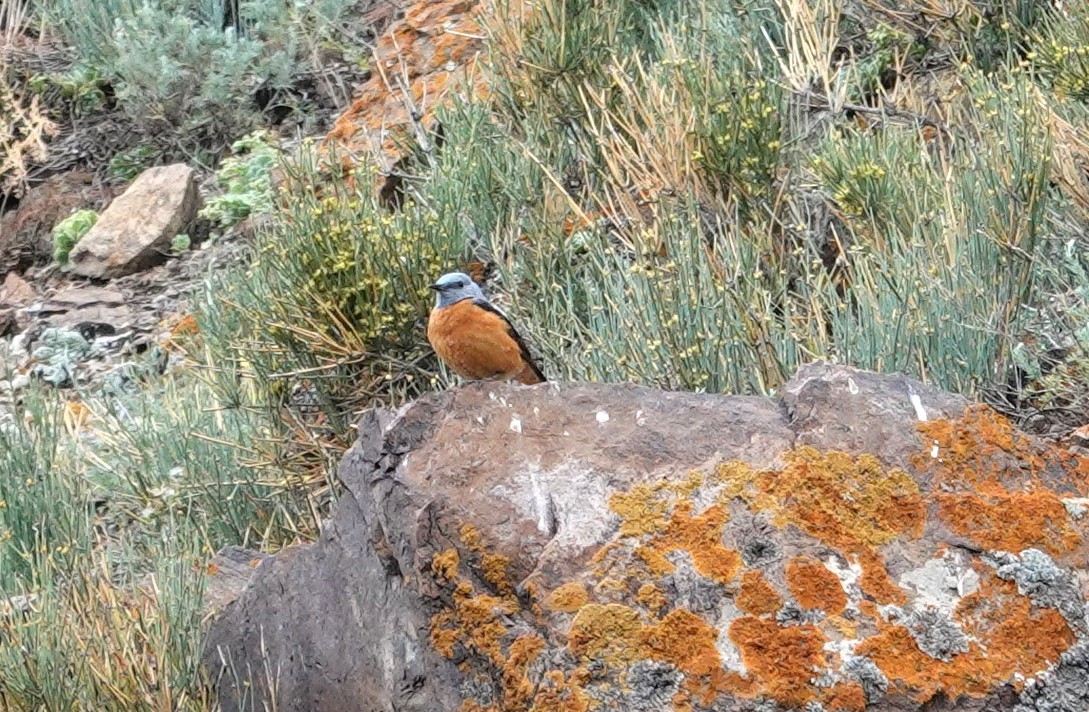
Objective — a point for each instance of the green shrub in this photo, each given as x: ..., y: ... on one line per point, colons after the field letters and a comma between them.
x: 180, y: 243
x: 187, y: 82
x: 109, y: 510
x: 336, y: 294
x: 69, y: 231
x: 1060, y: 50
x: 245, y: 177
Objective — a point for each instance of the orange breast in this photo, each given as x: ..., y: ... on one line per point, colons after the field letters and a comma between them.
x: 473, y: 342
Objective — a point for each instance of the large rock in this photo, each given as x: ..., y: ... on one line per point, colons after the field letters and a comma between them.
x: 135, y: 231
x: 866, y: 543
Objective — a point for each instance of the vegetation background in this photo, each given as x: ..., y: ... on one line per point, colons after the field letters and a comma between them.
x: 688, y: 194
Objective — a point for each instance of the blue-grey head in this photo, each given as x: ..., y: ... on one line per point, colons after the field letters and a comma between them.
x: 453, y: 287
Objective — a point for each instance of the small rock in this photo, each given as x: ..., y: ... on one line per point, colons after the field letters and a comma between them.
x: 135, y: 231
x: 20, y: 383
x: 94, y: 310
x: 15, y: 291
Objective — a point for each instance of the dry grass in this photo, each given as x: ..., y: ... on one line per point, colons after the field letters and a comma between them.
x: 24, y: 127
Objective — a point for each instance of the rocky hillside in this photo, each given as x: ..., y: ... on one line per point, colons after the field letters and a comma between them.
x: 863, y: 543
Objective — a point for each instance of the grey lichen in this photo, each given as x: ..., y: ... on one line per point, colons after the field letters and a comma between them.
x: 936, y: 634
x: 1046, y: 584
x: 866, y: 673
x: 689, y: 589
x: 479, y: 690
x: 793, y: 614
x: 650, y: 687
x: 755, y: 538
x: 1076, y: 507
x: 1063, y: 688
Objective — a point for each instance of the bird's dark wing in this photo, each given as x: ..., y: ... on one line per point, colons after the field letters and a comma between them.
x: 526, y: 356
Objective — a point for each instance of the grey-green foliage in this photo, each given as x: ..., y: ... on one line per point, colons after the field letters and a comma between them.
x: 245, y: 179
x: 175, y: 66
x: 44, y: 516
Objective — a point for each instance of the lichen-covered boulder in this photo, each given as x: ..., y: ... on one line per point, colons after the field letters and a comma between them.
x: 865, y: 543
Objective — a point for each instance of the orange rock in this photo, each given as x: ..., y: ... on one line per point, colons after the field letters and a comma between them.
x: 418, y: 61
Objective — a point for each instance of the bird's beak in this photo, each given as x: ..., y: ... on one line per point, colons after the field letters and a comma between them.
x: 436, y: 287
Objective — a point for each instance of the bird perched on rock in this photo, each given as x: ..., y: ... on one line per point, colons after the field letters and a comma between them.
x: 473, y: 337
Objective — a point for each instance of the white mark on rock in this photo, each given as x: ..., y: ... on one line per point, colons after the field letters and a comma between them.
x: 568, y: 502
x: 1076, y: 507
x: 848, y: 576
x: 917, y: 403
x: 934, y: 451
x: 602, y: 417
x: 536, y: 410
x: 639, y: 419
x: 852, y: 387
x: 566, y: 434
x: 941, y: 583
x: 516, y: 424
x: 728, y: 612
x: 541, y: 504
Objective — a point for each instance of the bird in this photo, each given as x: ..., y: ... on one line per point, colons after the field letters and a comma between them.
x: 474, y: 338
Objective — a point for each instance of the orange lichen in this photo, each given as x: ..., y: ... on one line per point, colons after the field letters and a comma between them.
x: 470, y: 537
x: 781, y: 661
x: 445, y: 633
x: 474, y: 622
x: 1010, y: 521
x: 494, y: 568
x: 982, y: 451
x: 849, y: 503
x: 1011, y: 640
x: 558, y: 694
x: 845, y: 697
x: 569, y: 597
x: 444, y: 564
x: 814, y: 586
x: 700, y: 537
x: 875, y: 581
x: 687, y: 641
x: 846, y: 627
x: 651, y: 597
x: 608, y: 632
x: 756, y: 596
x: 641, y: 510
x: 517, y: 688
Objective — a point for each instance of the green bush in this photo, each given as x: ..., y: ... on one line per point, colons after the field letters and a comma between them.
x: 183, y: 78
x: 336, y: 294
x: 110, y: 508
x: 69, y: 231
x: 245, y: 177
x: 1060, y: 50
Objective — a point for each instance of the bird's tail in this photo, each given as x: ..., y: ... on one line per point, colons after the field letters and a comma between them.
x: 529, y: 374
